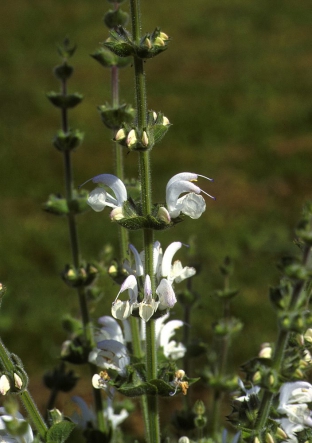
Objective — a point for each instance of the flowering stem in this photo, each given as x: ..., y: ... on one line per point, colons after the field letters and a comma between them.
x: 34, y: 413
x: 282, y: 341
x: 87, y: 325
x: 152, y: 429
x: 26, y: 398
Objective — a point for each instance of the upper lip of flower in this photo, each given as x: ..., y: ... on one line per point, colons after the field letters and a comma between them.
x: 99, y: 198
x: 178, y: 184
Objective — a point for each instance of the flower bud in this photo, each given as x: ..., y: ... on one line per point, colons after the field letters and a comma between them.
x: 166, y: 121
x: 117, y: 214
x: 184, y: 440
x: 269, y: 438
x: 147, y: 43
x: 131, y: 138
x: 17, y: 381
x: 159, y: 42
x: 120, y: 135
x: 256, y: 377
x: 4, y: 384
x: 266, y: 351
x: 280, y: 433
x: 163, y: 35
x: 164, y: 215
x: 144, y: 138
x: 256, y: 440
x: 308, y: 335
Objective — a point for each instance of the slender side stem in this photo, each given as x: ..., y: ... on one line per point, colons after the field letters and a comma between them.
x: 73, y: 234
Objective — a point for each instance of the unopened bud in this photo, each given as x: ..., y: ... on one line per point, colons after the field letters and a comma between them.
x: 256, y: 440
x: 269, y: 438
x: 307, y: 356
x: 120, y: 135
x: 179, y: 374
x: 164, y: 215
x: 300, y: 339
x: 154, y: 115
x: 280, y: 433
x: 4, y: 384
x: 166, y: 121
x: 148, y: 43
x: 256, y: 377
x: 184, y: 440
x: 163, y: 35
x: 159, y: 42
x: 144, y: 139
x: 199, y: 407
x: 18, y: 381
x: 308, y: 335
x: 271, y: 380
x: 299, y: 374
x: 266, y: 351
x: 117, y: 214
x: 131, y: 138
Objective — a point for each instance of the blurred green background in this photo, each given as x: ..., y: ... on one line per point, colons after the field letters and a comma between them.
x: 235, y: 83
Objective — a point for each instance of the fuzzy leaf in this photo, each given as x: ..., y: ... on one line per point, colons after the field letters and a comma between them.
x: 59, y: 432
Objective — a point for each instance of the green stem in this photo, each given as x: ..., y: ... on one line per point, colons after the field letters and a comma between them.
x: 73, y: 234
x: 152, y: 430
x: 34, y: 413
x: 28, y: 402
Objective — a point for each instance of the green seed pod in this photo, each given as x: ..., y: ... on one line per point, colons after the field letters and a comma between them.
x: 56, y: 205
x: 114, y: 117
x: 67, y: 141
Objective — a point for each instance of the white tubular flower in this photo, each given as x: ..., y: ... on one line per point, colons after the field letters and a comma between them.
x: 190, y: 204
x: 115, y: 419
x: 165, y: 273
x: 164, y: 333
x: 110, y: 330
x: 290, y: 429
x: 4, y: 384
x: 5, y: 437
x: 110, y: 354
x: 148, y: 305
x: 122, y: 309
x: 248, y: 392
x: 98, y: 198
x: 295, y: 392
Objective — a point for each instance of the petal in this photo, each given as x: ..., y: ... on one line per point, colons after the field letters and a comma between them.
x: 131, y: 284
x: 174, y: 191
x: 192, y: 205
x: 187, y: 176
x: 147, y: 289
x: 165, y: 292
x: 97, y: 199
x: 138, y: 261
x: 168, y: 256
x: 168, y: 331
x: 147, y: 310
x: 115, y: 184
x: 111, y: 327
x: 121, y: 309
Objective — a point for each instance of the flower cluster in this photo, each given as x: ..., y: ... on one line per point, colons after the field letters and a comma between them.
x: 5, y: 385
x: 111, y: 351
x: 293, y: 402
x: 191, y: 204
x: 138, y: 283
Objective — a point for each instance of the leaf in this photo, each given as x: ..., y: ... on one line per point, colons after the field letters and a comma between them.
x: 59, y: 432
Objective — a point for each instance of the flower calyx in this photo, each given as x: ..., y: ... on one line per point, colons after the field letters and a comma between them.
x: 80, y: 277
x: 113, y: 117
x: 68, y: 141
x: 58, y: 205
x: 121, y: 43
x: 143, y: 140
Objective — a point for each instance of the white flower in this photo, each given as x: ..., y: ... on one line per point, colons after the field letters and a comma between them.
x: 110, y: 354
x: 110, y: 330
x: 4, y: 384
x: 164, y: 333
x: 87, y: 415
x: 165, y: 273
x: 190, y: 204
x: 98, y: 198
x: 5, y: 437
x: 293, y: 398
x: 248, y: 392
x: 295, y: 392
